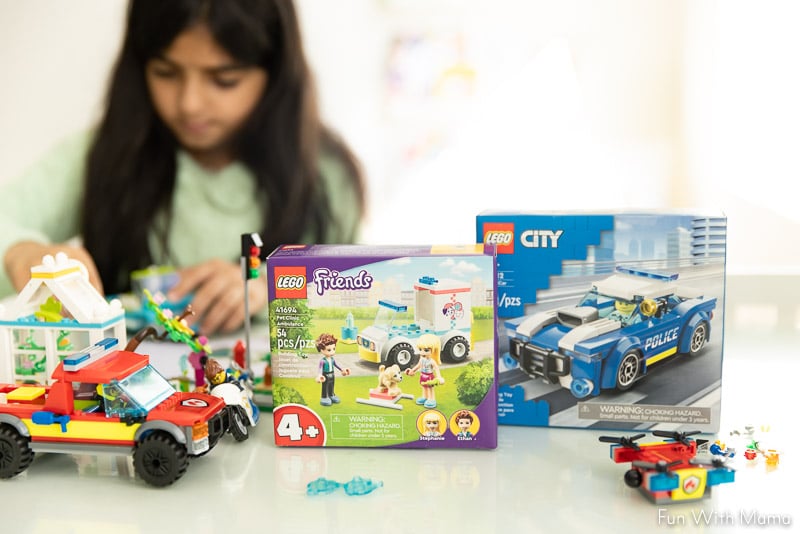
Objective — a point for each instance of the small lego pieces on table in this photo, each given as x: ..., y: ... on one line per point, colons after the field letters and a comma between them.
x: 321, y: 486
x: 754, y: 448
x: 772, y: 457
x: 718, y: 448
x: 361, y: 486
x: 356, y: 486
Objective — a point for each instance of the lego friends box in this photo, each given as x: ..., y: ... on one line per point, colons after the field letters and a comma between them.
x: 609, y: 321
x: 383, y: 346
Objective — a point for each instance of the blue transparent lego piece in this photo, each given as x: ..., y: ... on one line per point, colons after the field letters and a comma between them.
x: 321, y: 486
x: 361, y: 486
x: 356, y: 486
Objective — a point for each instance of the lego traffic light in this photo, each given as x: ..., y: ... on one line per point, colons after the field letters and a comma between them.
x: 251, y: 253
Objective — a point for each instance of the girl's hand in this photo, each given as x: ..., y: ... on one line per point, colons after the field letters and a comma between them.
x: 218, y: 300
x: 20, y: 257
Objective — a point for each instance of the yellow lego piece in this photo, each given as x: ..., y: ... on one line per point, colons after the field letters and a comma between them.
x: 90, y: 431
x: 691, y: 484
x: 25, y: 394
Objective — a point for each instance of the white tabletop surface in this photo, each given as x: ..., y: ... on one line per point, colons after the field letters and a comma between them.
x: 538, y: 480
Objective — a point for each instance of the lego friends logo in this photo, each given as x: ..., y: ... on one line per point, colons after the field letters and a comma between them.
x: 501, y: 235
x: 290, y: 283
x: 327, y: 279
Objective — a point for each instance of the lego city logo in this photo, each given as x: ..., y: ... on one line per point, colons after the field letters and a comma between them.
x: 540, y: 238
x: 660, y: 339
x: 328, y: 279
x: 290, y: 283
x: 501, y: 235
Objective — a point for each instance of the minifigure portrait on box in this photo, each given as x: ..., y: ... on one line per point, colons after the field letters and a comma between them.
x: 383, y: 346
x: 609, y: 321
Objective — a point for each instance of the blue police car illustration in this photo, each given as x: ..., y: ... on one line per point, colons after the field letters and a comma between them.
x: 622, y: 326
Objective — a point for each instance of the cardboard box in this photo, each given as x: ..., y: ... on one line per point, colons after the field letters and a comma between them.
x: 609, y: 320
x: 354, y: 331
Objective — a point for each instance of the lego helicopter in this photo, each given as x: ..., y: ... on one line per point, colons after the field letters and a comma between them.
x: 667, y: 471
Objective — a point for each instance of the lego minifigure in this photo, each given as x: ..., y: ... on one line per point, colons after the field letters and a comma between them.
x: 464, y: 423
x: 428, y: 366
x: 431, y: 423
x: 623, y: 312
x: 326, y: 345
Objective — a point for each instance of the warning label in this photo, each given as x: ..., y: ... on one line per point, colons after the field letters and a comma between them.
x: 649, y: 413
x: 375, y: 427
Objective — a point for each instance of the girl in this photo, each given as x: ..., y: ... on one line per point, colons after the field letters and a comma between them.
x: 210, y: 130
x: 431, y: 424
x: 429, y: 348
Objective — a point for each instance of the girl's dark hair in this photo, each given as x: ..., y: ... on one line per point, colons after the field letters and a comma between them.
x: 132, y: 163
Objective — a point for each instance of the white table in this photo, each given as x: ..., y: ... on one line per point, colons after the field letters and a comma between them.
x: 546, y: 480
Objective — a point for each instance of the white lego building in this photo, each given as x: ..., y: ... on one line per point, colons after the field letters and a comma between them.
x: 56, y: 314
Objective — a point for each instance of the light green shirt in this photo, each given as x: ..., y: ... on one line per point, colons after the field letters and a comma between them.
x: 211, y: 209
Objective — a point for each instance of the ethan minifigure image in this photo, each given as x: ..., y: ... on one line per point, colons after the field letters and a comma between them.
x: 464, y: 423
x: 326, y: 345
x: 428, y: 365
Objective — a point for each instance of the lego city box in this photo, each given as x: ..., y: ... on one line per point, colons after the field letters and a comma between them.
x: 383, y: 346
x: 609, y: 320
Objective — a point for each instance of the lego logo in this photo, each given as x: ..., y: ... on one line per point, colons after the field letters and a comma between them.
x: 498, y: 238
x: 500, y: 235
x: 290, y: 282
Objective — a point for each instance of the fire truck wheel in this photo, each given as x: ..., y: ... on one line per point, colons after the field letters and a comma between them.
x: 159, y: 460
x: 15, y: 454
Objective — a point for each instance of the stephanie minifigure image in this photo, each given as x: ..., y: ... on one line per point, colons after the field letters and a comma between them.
x: 430, y: 376
x: 326, y: 345
x: 431, y: 426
